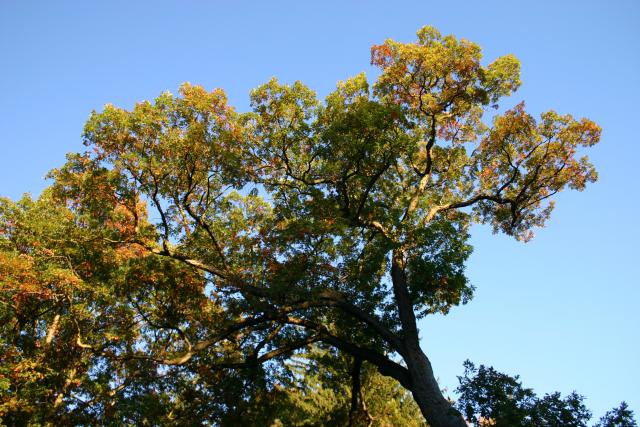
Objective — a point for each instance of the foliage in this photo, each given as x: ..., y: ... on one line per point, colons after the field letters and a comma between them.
x: 173, y: 268
x: 319, y: 394
x: 491, y: 398
x: 314, y: 390
x: 621, y: 416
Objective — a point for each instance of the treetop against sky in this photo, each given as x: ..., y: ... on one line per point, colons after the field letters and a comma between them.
x: 566, y: 298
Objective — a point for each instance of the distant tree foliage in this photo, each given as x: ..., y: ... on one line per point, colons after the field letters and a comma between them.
x: 621, y: 416
x: 491, y: 398
x: 316, y: 391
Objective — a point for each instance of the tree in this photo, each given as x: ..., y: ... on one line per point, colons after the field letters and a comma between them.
x: 491, y: 398
x: 321, y: 393
x: 621, y: 416
x: 338, y: 223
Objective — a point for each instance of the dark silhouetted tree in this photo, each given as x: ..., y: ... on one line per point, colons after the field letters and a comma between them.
x: 491, y: 398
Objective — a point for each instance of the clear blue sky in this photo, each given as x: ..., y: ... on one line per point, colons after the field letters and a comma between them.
x: 562, y: 311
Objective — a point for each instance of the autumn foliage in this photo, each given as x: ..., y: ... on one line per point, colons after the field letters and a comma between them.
x: 174, y: 269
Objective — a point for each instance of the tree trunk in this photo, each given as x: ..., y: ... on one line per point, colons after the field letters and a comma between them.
x: 436, y: 409
x: 425, y: 390
x: 358, y: 414
x: 355, y: 391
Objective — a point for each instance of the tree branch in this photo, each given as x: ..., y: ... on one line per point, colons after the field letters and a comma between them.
x: 385, y: 366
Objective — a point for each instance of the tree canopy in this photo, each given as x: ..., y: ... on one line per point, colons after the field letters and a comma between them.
x: 492, y: 398
x: 193, y: 250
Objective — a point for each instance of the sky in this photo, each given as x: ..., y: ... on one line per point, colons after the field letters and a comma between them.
x: 561, y: 311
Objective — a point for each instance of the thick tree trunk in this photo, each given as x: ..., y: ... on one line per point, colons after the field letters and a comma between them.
x: 426, y: 392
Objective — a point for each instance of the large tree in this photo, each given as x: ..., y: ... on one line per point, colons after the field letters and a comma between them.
x: 191, y: 240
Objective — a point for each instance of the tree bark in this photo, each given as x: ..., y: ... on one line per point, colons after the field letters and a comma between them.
x: 359, y: 416
x: 425, y: 390
x: 51, y: 332
x: 355, y: 391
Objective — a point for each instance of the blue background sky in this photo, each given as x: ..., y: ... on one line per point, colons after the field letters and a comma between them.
x: 562, y: 310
